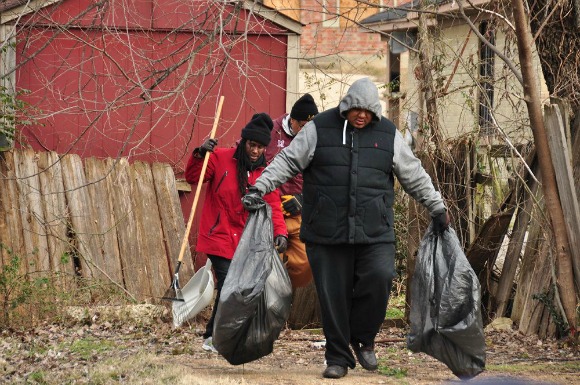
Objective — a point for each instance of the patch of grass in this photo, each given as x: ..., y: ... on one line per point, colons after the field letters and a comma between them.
x: 180, y: 350
x: 87, y: 347
x: 317, y: 331
x: 572, y: 366
x: 394, y: 313
x: 508, y: 368
x: 397, y: 373
x: 396, y: 308
x: 394, y: 350
x: 38, y: 349
x: 141, y: 368
x: 36, y: 378
x: 397, y: 301
x: 535, y: 367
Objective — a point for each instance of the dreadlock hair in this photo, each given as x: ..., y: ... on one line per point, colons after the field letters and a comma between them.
x: 242, y: 165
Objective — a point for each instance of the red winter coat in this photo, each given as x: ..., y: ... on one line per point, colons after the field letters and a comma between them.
x: 223, y: 217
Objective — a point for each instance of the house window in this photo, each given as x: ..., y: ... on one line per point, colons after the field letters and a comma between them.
x: 330, y: 11
x: 486, y: 78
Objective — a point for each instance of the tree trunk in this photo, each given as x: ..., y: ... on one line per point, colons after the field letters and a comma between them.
x: 565, y: 280
x: 431, y: 118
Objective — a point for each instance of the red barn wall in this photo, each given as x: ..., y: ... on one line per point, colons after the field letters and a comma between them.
x: 115, y: 83
x: 91, y: 83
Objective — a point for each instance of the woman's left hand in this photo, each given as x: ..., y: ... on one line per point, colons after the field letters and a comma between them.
x: 281, y: 243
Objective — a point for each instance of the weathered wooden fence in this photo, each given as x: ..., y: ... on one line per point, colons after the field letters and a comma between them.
x: 104, y: 220
x: 522, y: 283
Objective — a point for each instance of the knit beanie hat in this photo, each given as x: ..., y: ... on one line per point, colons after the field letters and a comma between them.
x: 304, y: 108
x: 258, y: 129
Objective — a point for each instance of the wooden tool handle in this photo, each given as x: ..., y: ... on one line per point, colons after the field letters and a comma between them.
x: 199, y: 183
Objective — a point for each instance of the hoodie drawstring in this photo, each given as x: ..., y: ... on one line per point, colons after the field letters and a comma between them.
x: 344, y: 132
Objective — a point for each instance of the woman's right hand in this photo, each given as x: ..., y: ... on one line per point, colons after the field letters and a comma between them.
x: 208, y: 145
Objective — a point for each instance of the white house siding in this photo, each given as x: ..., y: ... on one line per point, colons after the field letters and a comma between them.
x: 458, y: 110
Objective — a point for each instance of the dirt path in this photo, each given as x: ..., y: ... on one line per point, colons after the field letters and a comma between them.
x: 296, y: 360
x: 108, y: 353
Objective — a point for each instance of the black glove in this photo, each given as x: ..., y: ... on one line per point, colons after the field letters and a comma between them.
x: 281, y: 243
x: 208, y: 145
x: 293, y: 205
x: 253, y: 199
x: 440, y: 223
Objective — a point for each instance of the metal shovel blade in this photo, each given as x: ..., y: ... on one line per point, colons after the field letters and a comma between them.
x: 197, y: 294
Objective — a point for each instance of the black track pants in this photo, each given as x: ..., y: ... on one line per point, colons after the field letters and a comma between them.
x: 220, y: 267
x: 353, y: 284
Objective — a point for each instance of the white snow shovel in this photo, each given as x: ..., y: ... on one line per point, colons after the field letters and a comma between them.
x: 197, y: 294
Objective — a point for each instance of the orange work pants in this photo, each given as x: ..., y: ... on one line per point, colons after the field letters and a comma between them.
x: 297, y: 261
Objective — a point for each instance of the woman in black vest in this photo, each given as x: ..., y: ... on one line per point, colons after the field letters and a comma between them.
x: 349, y: 156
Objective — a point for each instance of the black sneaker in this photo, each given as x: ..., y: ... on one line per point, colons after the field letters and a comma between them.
x: 366, y: 356
x: 335, y: 371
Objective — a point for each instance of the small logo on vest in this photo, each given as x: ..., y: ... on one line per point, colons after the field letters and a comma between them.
x: 280, y: 143
x: 376, y: 145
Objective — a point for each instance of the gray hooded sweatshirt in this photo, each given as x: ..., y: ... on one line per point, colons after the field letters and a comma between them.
x: 314, y: 147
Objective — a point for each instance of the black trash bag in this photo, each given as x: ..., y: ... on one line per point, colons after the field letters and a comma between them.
x: 256, y: 296
x: 445, y: 309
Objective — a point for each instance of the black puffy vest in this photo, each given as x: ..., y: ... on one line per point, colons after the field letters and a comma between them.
x: 348, y: 186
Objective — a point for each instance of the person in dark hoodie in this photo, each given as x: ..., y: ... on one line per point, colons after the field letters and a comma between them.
x: 228, y: 174
x: 349, y: 156
x: 285, y: 129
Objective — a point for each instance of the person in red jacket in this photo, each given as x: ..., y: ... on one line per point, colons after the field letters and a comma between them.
x: 229, y: 172
x: 285, y: 129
